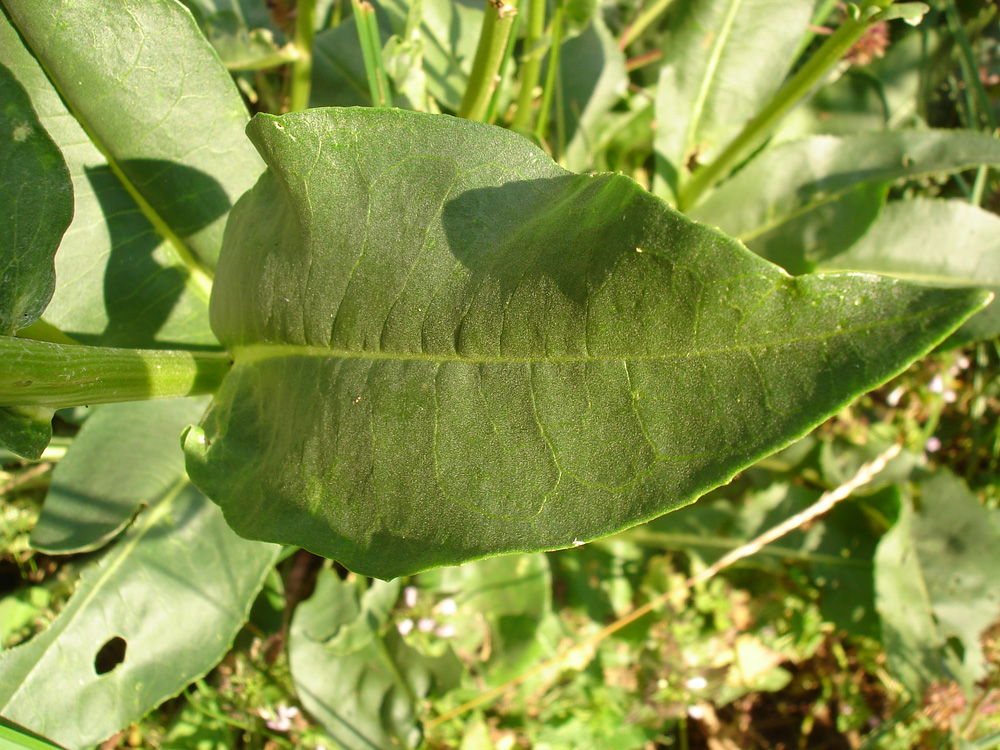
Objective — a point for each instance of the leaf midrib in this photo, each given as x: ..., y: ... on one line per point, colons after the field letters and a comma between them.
x: 249, y: 354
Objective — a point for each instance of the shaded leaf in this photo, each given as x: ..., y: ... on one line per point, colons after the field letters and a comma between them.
x: 167, y: 109
x: 783, y: 202
x: 84, y: 508
x: 111, y: 249
x: 339, y: 78
x: 174, y: 589
x: 26, y: 430
x: 36, y: 206
x: 723, y: 60
x: 942, y: 242
x: 936, y: 586
x: 373, y: 700
x: 459, y: 349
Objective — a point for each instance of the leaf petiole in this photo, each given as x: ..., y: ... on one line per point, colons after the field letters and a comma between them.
x: 57, y: 376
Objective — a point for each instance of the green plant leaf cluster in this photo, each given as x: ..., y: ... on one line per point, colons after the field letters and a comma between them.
x: 425, y: 341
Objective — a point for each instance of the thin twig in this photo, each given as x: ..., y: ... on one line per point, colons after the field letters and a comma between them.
x: 25, y: 476
x: 821, y: 506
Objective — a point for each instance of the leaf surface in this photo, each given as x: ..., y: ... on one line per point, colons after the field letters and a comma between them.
x: 36, y: 207
x: 111, y: 250
x: 379, y: 681
x: 446, y: 347
x: 944, y: 242
x: 85, y: 508
x: 723, y: 60
x: 174, y: 589
x: 803, y: 201
x: 155, y: 99
x: 936, y: 586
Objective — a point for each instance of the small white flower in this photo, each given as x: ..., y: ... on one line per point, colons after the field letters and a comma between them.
x: 936, y: 385
x: 932, y: 445
x: 696, y: 712
x: 410, y: 596
x: 445, y: 631
x: 405, y: 627
x: 963, y: 363
x: 447, y: 607
x: 426, y: 624
x: 697, y: 683
x: 950, y: 397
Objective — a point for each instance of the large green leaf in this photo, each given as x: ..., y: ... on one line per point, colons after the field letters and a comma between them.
x: 936, y: 586
x: 85, y: 508
x: 446, y: 347
x: 803, y: 201
x: 352, y: 669
x: 125, y: 277
x: 36, y: 206
x: 946, y: 242
x: 723, y: 60
x: 172, y: 591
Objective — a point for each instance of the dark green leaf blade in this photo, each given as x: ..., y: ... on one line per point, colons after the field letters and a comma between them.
x: 36, y: 207
x: 446, y: 347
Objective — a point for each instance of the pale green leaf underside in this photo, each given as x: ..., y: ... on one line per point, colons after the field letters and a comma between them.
x: 446, y: 347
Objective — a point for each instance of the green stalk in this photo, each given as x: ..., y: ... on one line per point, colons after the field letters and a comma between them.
x: 978, y: 101
x: 545, y: 111
x: 491, y: 110
x: 497, y: 22
x: 531, y: 68
x: 640, y: 24
x: 39, y: 373
x: 797, y: 88
x: 371, y: 52
x: 305, y: 27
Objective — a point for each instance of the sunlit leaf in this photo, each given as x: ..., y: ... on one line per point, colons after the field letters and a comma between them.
x: 446, y: 347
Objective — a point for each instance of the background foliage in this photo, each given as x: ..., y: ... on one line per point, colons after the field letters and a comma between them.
x: 876, y: 626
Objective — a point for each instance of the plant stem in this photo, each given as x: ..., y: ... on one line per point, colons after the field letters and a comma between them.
x: 531, y: 68
x: 795, y: 90
x: 497, y: 21
x: 305, y: 27
x: 494, y: 105
x: 371, y: 51
x: 545, y: 111
x: 640, y: 24
x: 39, y: 373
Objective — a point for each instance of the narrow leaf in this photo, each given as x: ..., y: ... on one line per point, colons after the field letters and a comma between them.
x: 373, y: 701
x: 908, y: 240
x: 723, y: 60
x: 783, y: 201
x: 177, y: 582
x: 156, y: 101
x: 446, y: 347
